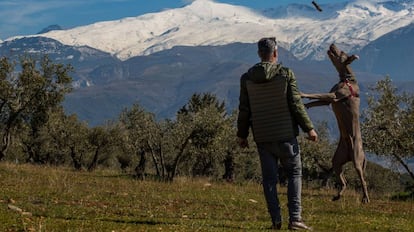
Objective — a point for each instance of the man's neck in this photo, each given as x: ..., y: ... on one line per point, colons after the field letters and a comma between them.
x: 271, y: 60
x: 268, y: 61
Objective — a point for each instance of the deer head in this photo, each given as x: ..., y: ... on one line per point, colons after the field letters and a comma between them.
x: 342, y: 62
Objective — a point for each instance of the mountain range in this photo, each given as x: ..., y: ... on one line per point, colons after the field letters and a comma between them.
x: 161, y: 59
x: 298, y: 27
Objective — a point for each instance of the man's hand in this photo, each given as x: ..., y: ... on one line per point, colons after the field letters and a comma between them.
x: 312, y: 135
x: 243, y: 143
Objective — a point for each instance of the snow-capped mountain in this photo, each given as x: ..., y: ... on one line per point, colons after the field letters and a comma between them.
x: 206, y: 46
x: 391, y: 54
x: 300, y: 28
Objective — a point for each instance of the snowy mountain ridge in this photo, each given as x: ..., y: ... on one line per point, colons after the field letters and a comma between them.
x: 299, y: 28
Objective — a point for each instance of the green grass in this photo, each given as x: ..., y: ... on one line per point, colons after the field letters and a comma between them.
x: 58, y: 199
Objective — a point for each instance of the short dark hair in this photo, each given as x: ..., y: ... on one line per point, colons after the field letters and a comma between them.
x: 267, y: 45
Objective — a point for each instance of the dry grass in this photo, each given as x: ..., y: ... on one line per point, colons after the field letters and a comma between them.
x: 57, y: 199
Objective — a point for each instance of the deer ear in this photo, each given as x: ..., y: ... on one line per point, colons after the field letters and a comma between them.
x: 334, y: 50
x: 351, y: 59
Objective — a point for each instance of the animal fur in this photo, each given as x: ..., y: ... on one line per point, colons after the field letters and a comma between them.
x: 345, y: 101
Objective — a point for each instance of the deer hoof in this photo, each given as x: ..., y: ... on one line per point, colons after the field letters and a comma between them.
x: 365, y: 200
x: 335, y: 198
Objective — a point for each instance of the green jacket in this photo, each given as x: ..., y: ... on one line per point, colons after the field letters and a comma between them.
x: 271, y: 104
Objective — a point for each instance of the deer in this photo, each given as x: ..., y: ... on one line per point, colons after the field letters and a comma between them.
x: 345, y: 102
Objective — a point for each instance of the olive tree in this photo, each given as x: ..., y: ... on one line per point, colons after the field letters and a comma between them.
x: 64, y: 139
x: 316, y: 157
x: 388, y: 124
x: 207, y: 119
x: 26, y: 98
x: 142, y: 137
x: 98, y: 138
x: 190, y: 142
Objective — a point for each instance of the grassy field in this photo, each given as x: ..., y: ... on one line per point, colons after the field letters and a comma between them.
x: 39, y: 198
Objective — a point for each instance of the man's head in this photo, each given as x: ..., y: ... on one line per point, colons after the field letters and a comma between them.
x: 267, y: 49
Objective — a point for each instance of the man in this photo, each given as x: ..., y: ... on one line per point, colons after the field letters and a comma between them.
x: 271, y: 104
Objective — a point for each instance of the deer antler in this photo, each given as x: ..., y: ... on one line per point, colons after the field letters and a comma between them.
x: 341, y: 61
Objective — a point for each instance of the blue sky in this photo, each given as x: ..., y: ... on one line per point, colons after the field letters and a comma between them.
x: 23, y: 17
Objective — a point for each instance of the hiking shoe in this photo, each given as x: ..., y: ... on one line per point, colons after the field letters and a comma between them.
x: 298, y: 225
x: 276, y: 226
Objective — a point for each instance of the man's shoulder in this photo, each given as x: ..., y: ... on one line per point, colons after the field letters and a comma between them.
x: 284, y: 70
x: 244, y: 76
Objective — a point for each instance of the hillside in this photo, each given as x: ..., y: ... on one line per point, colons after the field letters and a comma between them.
x: 40, y: 198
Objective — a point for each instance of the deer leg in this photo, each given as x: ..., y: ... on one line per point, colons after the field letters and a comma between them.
x: 316, y: 103
x: 329, y: 97
x: 365, y: 198
x: 341, y: 177
x: 360, y: 170
x: 338, y: 160
x: 360, y: 164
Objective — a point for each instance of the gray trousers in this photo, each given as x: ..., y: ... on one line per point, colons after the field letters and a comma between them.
x: 288, y: 153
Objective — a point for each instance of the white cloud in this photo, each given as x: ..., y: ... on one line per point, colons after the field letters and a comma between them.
x: 31, y: 16
x: 22, y: 17
x: 28, y: 15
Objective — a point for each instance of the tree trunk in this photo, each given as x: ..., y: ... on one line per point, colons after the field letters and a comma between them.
x: 140, y: 169
x: 404, y: 164
x: 5, y: 145
x: 94, y: 162
x: 326, y: 173
x: 76, y: 163
x: 397, y: 157
x: 177, y: 159
x: 154, y: 159
x: 229, y: 167
x: 163, y: 169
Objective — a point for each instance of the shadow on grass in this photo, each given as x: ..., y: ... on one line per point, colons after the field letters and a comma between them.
x: 131, y: 176
x: 136, y: 222
x: 146, y: 222
x: 154, y: 222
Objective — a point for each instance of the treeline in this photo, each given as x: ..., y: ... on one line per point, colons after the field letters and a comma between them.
x: 199, y: 141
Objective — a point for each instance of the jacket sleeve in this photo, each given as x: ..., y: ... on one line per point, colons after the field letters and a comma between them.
x: 243, y: 119
x: 297, y: 108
